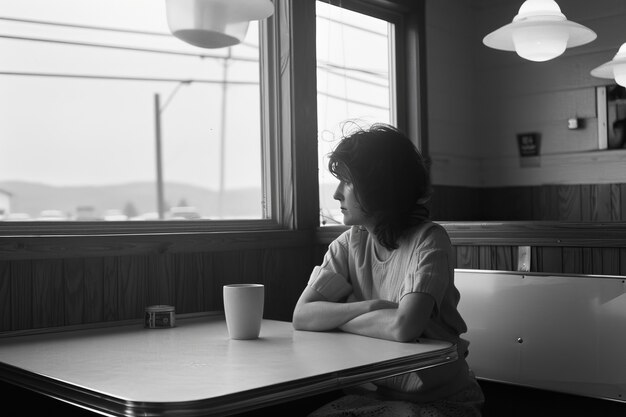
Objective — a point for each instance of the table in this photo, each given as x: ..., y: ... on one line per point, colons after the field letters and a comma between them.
x: 194, y: 369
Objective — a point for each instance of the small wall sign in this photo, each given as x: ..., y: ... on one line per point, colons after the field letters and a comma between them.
x: 528, y: 144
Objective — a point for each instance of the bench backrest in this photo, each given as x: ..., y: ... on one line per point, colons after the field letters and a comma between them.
x: 564, y: 333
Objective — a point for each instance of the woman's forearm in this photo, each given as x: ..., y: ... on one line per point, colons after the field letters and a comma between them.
x: 404, y: 322
x: 381, y: 324
x: 326, y: 315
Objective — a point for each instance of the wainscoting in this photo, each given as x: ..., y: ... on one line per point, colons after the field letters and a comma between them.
x: 576, y: 203
x: 47, y: 293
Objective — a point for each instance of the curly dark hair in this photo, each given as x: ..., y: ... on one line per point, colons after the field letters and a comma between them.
x: 391, y: 179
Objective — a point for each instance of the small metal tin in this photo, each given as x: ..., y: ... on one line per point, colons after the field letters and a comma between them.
x: 160, y: 317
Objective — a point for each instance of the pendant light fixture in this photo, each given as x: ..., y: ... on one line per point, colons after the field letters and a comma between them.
x: 616, y: 68
x: 214, y: 23
x: 539, y: 32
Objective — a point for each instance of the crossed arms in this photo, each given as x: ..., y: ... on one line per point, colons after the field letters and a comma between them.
x: 403, y: 322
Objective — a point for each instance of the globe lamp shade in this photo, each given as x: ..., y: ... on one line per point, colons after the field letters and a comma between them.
x: 539, y: 32
x: 616, y: 68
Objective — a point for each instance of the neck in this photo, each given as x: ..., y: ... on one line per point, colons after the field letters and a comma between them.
x: 370, y: 229
x: 380, y: 247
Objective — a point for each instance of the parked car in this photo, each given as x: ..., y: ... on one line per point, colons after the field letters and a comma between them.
x: 183, y: 213
x: 152, y: 215
x: 17, y: 217
x: 115, y: 215
x: 52, y: 215
x: 86, y: 213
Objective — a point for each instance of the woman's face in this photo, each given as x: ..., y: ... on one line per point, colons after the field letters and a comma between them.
x: 350, y: 207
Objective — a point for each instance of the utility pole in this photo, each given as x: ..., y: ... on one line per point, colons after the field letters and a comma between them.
x: 159, y: 158
x: 220, y: 201
x: 158, y: 109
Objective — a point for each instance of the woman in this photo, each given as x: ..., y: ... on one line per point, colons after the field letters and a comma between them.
x: 390, y: 276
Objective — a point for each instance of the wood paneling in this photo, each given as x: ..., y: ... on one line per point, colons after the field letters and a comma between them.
x: 74, y: 291
x: 73, y: 240
x: 567, y: 260
x: 5, y: 295
x: 110, y: 293
x: 48, y: 293
x: 456, y: 203
x: 572, y: 260
x: 94, y: 290
x: 569, y: 206
x: 570, y: 203
x: 44, y: 293
x: 21, y: 283
x: 506, y: 204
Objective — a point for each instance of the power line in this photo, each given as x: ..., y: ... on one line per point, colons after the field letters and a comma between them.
x: 340, y: 71
x: 127, y: 48
x: 326, y: 66
x: 150, y: 79
x: 175, y: 80
x: 91, y: 27
x: 323, y: 65
x: 348, y: 100
x: 155, y: 33
x: 96, y: 27
x: 362, y: 29
x: 124, y: 78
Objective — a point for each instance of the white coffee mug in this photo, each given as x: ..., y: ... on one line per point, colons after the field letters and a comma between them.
x: 243, y: 307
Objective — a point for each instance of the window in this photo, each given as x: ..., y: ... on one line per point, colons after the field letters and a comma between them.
x: 98, y: 116
x: 355, y: 79
x: 106, y: 116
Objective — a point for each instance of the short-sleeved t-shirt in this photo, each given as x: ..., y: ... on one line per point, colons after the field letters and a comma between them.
x: 354, y: 270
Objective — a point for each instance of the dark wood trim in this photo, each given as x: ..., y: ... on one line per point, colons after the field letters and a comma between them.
x: 300, y: 82
x: 538, y: 233
x: 76, y: 243
x: 78, y: 246
x: 384, y: 6
x: 325, y: 235
x: 532, y: 233
x: 97, y: 228
x: 416, y: 99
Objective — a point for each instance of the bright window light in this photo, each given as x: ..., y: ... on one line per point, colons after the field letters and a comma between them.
x: 92, y: 90
x: 354, y: 81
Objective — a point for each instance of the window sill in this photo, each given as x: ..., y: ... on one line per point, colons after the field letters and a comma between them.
x: 34, y: 240
x: 92, y: 228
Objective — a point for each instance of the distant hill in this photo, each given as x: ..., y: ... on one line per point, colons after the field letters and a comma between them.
x: 33, y: 198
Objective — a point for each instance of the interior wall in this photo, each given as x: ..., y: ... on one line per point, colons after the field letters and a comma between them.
x: 451, y: 91
x: 481, y: 98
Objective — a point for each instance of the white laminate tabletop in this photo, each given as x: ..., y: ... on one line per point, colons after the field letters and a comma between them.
x: 129, y: 367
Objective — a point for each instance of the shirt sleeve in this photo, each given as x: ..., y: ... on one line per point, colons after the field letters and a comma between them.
x: 331, y: 279
x: 330, y: 284
x: 430, y: 271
